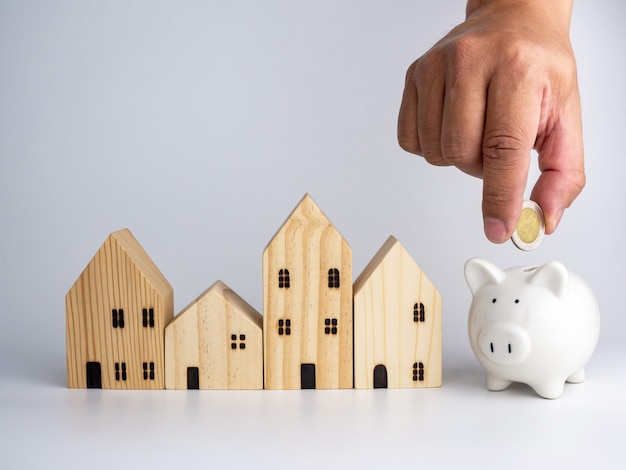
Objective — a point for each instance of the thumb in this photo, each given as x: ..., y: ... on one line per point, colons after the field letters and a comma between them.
x: 561, y: 162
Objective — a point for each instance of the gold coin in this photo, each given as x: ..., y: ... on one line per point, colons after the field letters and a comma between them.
x: 530, y: 228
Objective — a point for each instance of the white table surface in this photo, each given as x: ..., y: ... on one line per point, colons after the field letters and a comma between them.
x: 460, y: 425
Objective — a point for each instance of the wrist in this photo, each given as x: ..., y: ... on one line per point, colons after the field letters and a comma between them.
x: 557, y: 12
x: 563, y: 5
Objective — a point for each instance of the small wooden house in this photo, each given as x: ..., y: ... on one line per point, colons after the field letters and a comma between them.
x: 215, y: 343
x: 116, y: 314
x: 307, y: 301
x: 397, y: 323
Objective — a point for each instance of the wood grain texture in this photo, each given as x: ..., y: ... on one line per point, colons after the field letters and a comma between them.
x: 221, y: 335
x: 121, y: 277
x: 385, y: 332
x: 319, y: 316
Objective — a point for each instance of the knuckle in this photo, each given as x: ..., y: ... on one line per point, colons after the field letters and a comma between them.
x: 433, y: 156
x: 463, y: 53
x: 427, y: 68
x: 459, y: 153
x: 502, y: 141
x: 410, y: 145
x: 410, y: 73
x: 465, y: 157
x: 578, y: 181
x: 520, y: 54
x: 582, y: 181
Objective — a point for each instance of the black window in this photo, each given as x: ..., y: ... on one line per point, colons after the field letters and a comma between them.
x: 418, y: 312
x: 147, y: 317
x: 242, y: 343
x: 284, y: 327
x: 117, y: 318
x: 330, y: 326
x: 333, y: 278
x: 284, y: 282
x: 120, y: 371
x: 418, y: 372
x: 148, y: 370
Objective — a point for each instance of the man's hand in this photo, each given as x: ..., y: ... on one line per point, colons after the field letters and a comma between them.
x: 497, y: 86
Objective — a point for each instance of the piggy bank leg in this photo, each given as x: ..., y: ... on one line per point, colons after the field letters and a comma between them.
x: 495, y: 384
x: 577, y: 377
x: 550, y: 390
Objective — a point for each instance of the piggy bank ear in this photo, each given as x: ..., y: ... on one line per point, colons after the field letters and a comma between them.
x: 554, y: 276
x: 479, y: 272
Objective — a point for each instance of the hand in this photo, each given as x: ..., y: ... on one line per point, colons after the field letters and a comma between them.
x: 497, y: 86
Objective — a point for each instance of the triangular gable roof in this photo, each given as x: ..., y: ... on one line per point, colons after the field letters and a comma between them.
x: 390, y: 244
x: 139, y: 257
x: 221, y: 289
x: 143, y: 261
x: 378, y: 258
x: 309, y: 210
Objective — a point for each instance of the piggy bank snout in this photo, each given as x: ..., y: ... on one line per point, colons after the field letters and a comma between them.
x: 504, y: 343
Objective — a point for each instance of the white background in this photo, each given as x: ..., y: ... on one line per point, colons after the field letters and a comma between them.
x: 199, y: 126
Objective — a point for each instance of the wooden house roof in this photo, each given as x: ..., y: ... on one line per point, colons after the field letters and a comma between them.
x: 220, y: 289
x: 306, y: 214
x: 391, y: 244
x: 139, y: 258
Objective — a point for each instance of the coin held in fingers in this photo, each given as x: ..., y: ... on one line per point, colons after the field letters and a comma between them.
x: 530, y: 228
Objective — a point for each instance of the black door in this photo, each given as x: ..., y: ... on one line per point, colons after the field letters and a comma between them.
x: 380, y: 376
x: 193, y: 378
x: 94, y: 375
x: 307, y: 376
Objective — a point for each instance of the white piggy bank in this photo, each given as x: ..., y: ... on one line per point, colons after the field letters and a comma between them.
x: 534, y: 325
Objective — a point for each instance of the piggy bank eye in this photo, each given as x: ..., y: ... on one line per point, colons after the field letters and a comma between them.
x: 493, y: 301
x: 517, y: 301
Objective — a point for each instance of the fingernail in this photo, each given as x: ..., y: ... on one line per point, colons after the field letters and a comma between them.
x: 557, y: 218
x: 495, y: 230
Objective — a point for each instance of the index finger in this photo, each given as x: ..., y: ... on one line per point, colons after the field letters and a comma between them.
x: 511, y: 124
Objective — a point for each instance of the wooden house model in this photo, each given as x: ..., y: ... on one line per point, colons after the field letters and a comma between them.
x: 215, y: 343
x: 397, y: 323
x: 307, y: 301
x: 116, y: 314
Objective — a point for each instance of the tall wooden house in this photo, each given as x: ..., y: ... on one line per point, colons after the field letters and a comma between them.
x: 116, y: 314
x: 307, y: 301
x: 215, y: 343
x: 397, y: 323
